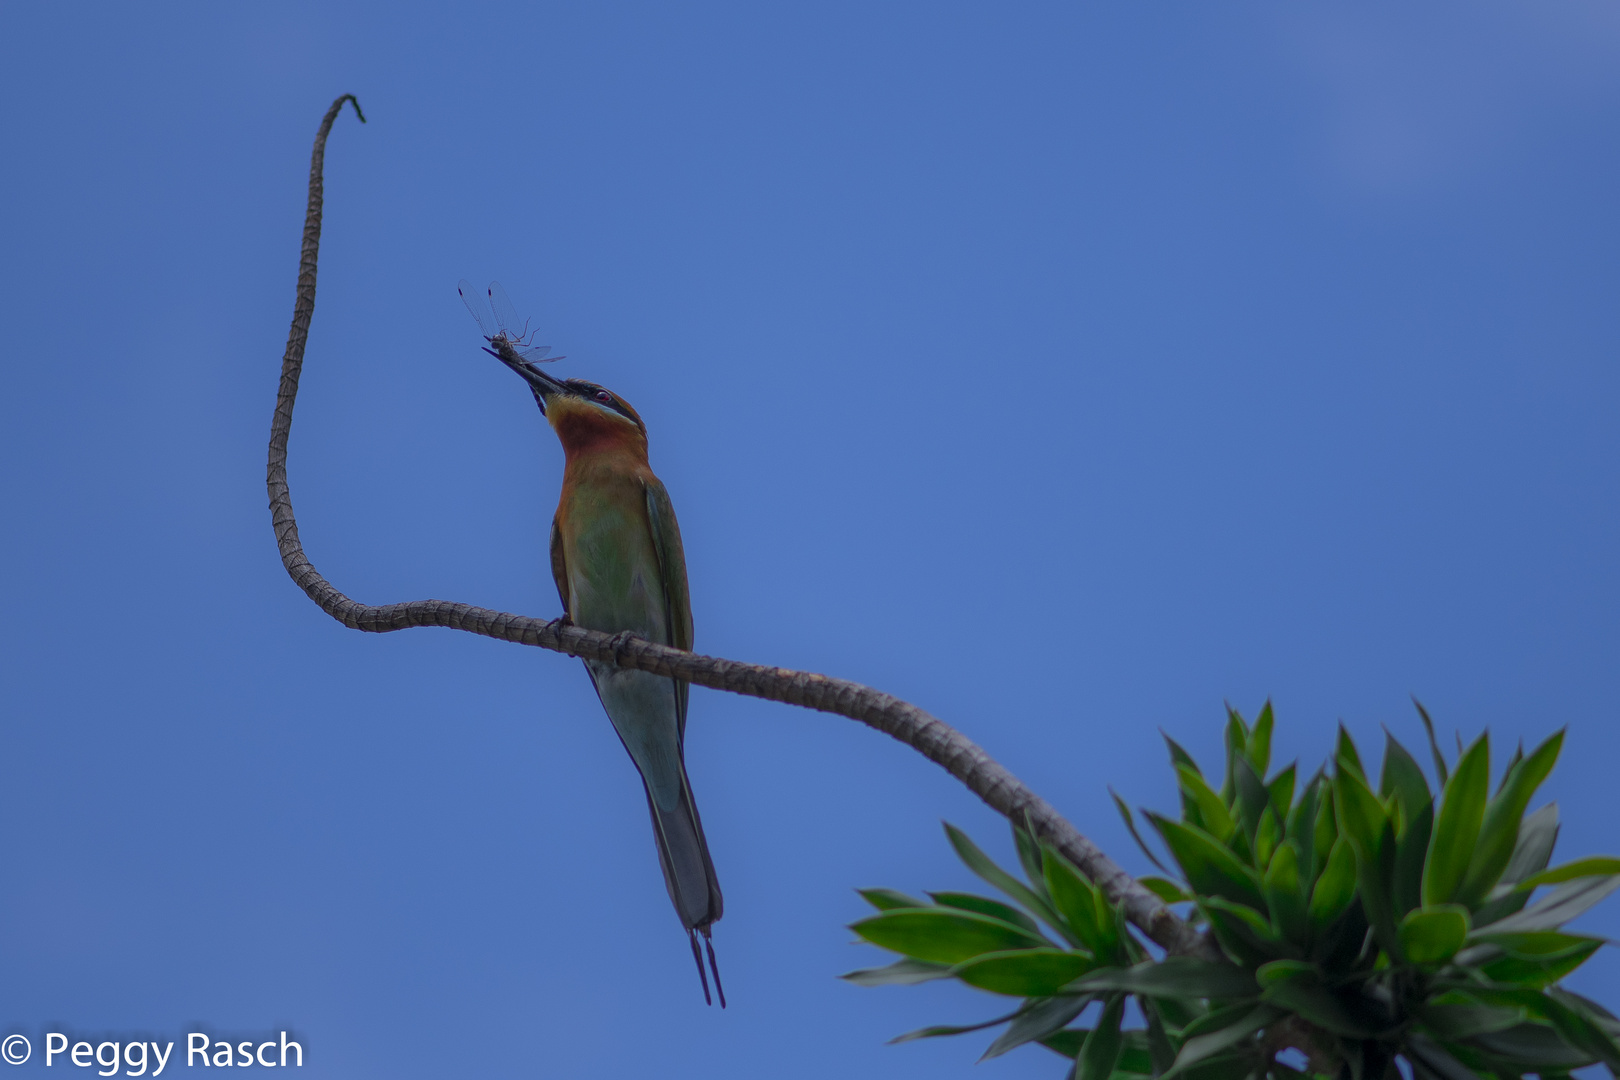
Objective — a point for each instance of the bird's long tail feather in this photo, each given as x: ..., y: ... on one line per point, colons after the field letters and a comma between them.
x: 683, y: 854
x: 697, y: 955
x: 708, y: 943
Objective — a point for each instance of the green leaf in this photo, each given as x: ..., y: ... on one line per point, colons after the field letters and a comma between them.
x: 1456, y: 830
x: 1499, y: 907
x: 1507, y: 770
x: 1302, y: 829
x: 1133, y: 950
x: 1534, y: 850
x: 1178, y: 756
x: 1079, y: 902
x: 1537, y: 835
x: 1206, y: 1045
x: 1303, y: 991
x: 1538, y: 959
x: 1346, y: 755
x: 1037, y: 1020
x: 1535, y: 942
x: 1403, y: 779
x: 1336, y: 888
x: 907, y: 972
x: 1176, y: 1012
x: 1284, y: 896
x: 888, y: 899
x: 1161, y: 1053
x: 1164, y: 889
x: 985, y: 906
x: 1066, y: 1043
x: 1589, y: 880
x: 1173, y: 977
x: 1134, y: 1051
x: 1533, y: 1046
x: 1258, y: 748
x: 1585, y: 1024
x: 1028, y: 848
x: 943, y: 935
x: 1587, y: 1007
x: 1235, y: 1065
x: 1217, y: 1018
x: 1458, y: 1019
x: 1266, y: 837
x: 1375, y: 880
x: 982, y: 865
x: 1434, y: 746
x: 1024, y: 972
x: 1246, y: 935
x: 1326, y: 830
x: 1237, y: 740
x: 1559, y: 906
x: 1432, y: 1058
x: 1101, y: 1052
x: 1340, y: 945
x: 1410, y: 852
x: 1252, y: 800
x: 1499, y: 831
x: 1364, y: 821
x: 951, y: 1029
x: 1580, y: 1022
x: 1209, y: 866
x: 1432, y: 936
x: 1213, y: 815
x: 1240, y: 846
x: 1179, y: 759
x: 1594, y: 866
x: 1135, y: 1055
x: 1130, y: 824
x: 1361, y: 815
x: 1281, y: 792
x: 1278, y: 970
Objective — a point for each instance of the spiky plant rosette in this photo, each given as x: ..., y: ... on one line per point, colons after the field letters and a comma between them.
x: 1349, y: 927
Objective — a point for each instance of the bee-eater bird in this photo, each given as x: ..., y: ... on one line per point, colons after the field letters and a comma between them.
x: 617, y: 559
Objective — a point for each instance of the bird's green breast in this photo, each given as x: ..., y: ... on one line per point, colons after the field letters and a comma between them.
x: 614, y: 578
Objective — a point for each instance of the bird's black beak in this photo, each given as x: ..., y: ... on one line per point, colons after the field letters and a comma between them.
x: 543, y: 385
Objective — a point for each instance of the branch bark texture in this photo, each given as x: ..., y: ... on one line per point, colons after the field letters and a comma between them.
x: 924, y: 733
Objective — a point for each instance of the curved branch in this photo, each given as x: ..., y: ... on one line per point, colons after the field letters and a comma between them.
x: 924, y: 733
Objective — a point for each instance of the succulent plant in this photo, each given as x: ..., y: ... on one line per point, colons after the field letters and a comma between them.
x: 1349, y: 927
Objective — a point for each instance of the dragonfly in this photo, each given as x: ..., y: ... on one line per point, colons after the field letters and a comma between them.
x: 498, y: 320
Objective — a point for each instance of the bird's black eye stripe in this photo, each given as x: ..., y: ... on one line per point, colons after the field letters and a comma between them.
x: 604, y: 397
x: 600, y: 396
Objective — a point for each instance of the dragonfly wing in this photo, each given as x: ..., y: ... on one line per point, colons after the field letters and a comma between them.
x: 505, y: 314
x: 535, y: 354
x: 475, y: 304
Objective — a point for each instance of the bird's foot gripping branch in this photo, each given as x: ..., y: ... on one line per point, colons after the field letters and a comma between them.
x: 1359, y: 927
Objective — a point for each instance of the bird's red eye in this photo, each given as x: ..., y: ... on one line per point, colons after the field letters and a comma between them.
x: 604, y: 397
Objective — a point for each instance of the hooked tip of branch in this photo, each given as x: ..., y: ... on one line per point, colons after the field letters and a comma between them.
x: 352, y: 100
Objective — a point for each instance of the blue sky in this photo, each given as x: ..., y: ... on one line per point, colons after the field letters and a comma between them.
x: 1065, y: 369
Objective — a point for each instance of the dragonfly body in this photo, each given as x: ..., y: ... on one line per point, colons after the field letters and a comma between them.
x: 502, y: 328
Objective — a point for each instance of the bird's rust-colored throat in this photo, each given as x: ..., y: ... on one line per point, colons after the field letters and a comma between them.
x: 582, y: 428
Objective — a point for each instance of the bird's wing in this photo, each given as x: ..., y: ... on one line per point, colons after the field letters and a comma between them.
x: 666, y: 536
x: 559, y: 567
